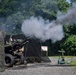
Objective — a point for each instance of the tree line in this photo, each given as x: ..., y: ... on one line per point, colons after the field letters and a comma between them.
x: 13, y: 12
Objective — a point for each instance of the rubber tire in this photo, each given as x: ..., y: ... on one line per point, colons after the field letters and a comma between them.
x: 11, y: 62
x: 21, y: 58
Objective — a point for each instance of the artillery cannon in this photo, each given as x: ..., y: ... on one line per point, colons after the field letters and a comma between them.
x: 13, y: 54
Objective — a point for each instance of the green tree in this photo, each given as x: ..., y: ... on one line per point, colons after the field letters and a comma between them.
x: 47, y: 9
x: 63, y: 5
x: 7, y: 7
x: 69, y: 41
x: 14, y: 12
x: 69, y: 46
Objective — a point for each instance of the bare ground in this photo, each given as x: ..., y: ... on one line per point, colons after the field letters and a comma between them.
x: 40, y: 69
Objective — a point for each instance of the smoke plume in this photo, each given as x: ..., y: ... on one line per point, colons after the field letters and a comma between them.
x: 69, y: 17
x: 44, y: 30
x: 39, y: 28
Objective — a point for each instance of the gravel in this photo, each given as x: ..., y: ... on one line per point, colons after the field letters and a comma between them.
x: 40, y: 69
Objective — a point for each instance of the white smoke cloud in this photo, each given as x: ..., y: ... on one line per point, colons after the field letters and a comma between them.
x: 37, y: 27
x: 33, y: 27
x: 55, y: 33
x: 44, y: 30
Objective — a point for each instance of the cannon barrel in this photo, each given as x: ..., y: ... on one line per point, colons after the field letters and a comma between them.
x: 15, y: 46
x: 18, y: 45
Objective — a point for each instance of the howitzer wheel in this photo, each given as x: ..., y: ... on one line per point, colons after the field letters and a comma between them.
x: 21, y: 57
x: 9, y: 60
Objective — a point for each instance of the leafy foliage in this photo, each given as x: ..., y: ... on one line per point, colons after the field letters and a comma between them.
x: 63, y: 5
x: 69, y: 42
x: 70, y: 45
x: 7, y: 7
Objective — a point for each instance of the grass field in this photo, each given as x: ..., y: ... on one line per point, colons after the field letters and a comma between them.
x: 73, y: 63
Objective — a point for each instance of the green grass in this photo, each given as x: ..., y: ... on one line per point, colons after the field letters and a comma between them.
x: 73, y: 63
